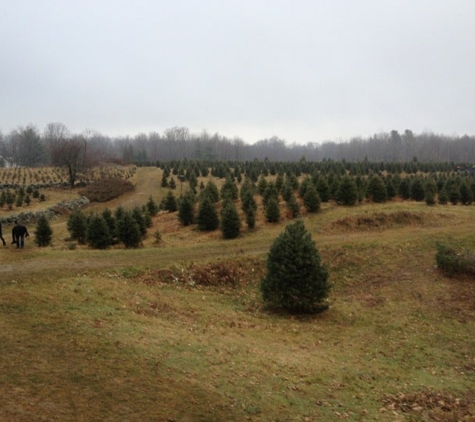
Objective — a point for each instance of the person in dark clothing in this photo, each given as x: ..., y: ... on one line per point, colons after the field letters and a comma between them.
x: 19, y: 233
x: 1, y: 235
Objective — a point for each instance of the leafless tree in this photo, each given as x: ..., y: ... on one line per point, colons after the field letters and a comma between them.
x: 70, y: 153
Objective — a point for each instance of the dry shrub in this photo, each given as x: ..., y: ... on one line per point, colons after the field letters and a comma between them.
x: 439, y: 406
x: 104, y: 190
x: 229, y: 274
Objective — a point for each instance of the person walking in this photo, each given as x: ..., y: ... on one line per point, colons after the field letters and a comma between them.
x: 1, y: 235
x: 19, y: 232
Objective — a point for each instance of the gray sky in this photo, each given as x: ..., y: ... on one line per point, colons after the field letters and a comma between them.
x: 303, y: 70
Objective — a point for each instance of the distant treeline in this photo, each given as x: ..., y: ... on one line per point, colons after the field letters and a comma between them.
x: 27, y: 146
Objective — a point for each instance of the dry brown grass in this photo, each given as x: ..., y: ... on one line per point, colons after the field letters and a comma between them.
x: 150, y: 334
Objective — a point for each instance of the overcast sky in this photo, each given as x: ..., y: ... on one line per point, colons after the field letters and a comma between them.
x: 302, y: 70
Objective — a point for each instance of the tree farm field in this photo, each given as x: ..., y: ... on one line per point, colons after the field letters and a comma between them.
x: 176, y: 330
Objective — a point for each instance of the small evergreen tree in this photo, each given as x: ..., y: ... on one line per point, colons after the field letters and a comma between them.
x: 207, y: 217
x: 43, y: 232
x: 170, y: 203
x: 77, y: 226
x: 376, y: 190
x: 466, y: 194
x: 139, y: 218
x: 293, y: 206
x: 186, y: 212
x: 152, y: 207
x: 296, y: 280
x: 250, y: 217
x: 272, y: 210
x: 311, y: 200
x: 230, y: 221
x: 347, y: 193
x: 110, y: 220
x: 418, y: 192
x: 211, y: 190
x: 98, y: 235
x: 128, y: 231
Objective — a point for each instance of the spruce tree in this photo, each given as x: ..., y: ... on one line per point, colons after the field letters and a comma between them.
x: 296, y: 280
x: 207, y: 217
x: 139, y: 218
x: 230, y: 221
x: 418, y: 192
x: 272, y: 210
x: 376, y: 190
x: 466, y: 194
x: 311, y: 200
x: 347, y: 193
x: 44, y: 232
x: 293, y: 206
x: 323, y: 189
x: 128, y: 231
x: 152, y: 207
x: 77, y: 226
x: 170, y: 203
x: 186, y: 213
x: 98, y: 235
x: 110, y: 220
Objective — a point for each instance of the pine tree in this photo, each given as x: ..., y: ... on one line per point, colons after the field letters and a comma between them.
x: 170, y: 203
x: 44, y: 232
x: 230, y: 221
x: 77, y: 226
x: 376, y: 190
x: 293, y: 206
x: 128, y: 231
x: 311, y: 200
x: 347, y: 192
x: 418, y: 192
x: 466, y: 194
x: 152, y: 206
x: 98, y: 235
x: 323, y: 189
x: 229, y: 190
x: 296, y: 280
x: 110, y: 220
x: 207, y: 217
x: 186, y: 213
x: 139, y: 218
x: 211, y: 190
x: 272, y: 210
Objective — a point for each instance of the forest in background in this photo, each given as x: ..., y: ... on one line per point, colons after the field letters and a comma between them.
x: 27, y: 146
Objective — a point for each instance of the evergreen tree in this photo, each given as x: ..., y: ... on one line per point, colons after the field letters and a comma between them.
x: 323, y: 189
x: 128, y: 231
x: 98, y: 235
x: 164, y: 182
x: 272, y: 210
x: 250, y: 217
x: 296, y: 280
x: 211, y: 190
x: 347, y: 193
x: 139, y: 218
x: 418, y: 192
x: 77, y: 226
x: 110, y: 220
x: 376, y: 190
x: 152, y: 206
x: 405, y: 188
x: 443, y: 198
x: 466, y: 194
x: 229, y: 190
x: 230, y: 221
x: 44, y: 232
x: 287, y: 190
x: 170, y: 203
x: 186, y: 213
x: 262, y: 185
x: 207, y: 217
x: 311, y: 200
x: 293, y: 206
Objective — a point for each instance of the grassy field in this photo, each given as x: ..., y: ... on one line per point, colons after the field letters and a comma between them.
x: 132, y: 335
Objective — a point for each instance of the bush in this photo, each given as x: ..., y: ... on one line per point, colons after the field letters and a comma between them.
x: 106, y: 189
x: 295, y: 281
x: 43, y: 232
x: 454, y: 262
